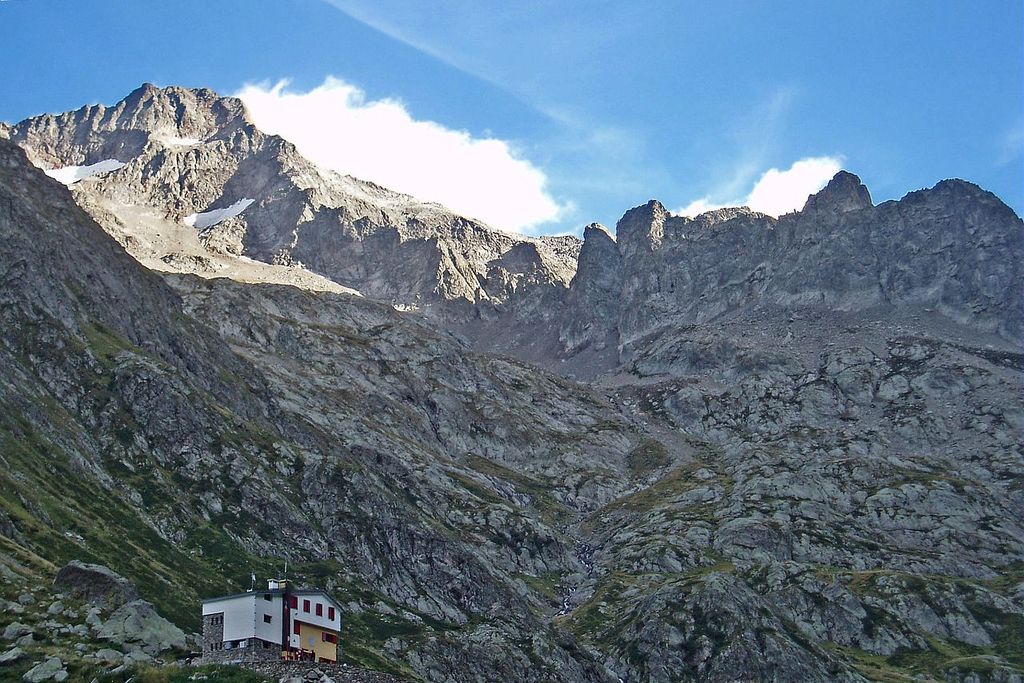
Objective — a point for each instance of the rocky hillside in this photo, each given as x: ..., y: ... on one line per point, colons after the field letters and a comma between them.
x: 415, y: 481
x: 773, y: 449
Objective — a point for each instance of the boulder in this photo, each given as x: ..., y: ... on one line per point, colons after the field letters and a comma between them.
x: 50, y: 669
x: 139, y: 624
x: 16, y: 630
x: 136, y: 657
x: 109, y: 656
x: 11, y: 656
x: 95, y: 583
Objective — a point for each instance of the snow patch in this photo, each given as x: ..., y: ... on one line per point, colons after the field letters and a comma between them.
x: 72, y: 174
x: 211, y: 218
x: 174, y: 141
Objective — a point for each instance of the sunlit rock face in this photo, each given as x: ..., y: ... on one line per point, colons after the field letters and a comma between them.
x: 190, y: 154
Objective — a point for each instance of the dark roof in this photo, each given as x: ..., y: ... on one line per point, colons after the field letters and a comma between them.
x: 302, y: 591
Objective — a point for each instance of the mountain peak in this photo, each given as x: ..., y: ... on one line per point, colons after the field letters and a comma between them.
x: 845, y: 192
x: 596, y: 231
x: 642, y: 225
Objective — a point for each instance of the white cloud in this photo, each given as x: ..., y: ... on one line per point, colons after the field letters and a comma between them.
x: 777, y: 192
x: 699, y: 206
x: 335, y: 126
x: 1011, y: 144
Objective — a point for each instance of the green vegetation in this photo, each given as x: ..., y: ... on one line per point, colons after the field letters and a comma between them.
x: 872, y: 667
x: 604, y: 617
x: 82, y: 671
x: 648, y: 456
x: 548, y: 507
x: 364, y: 635
x: 105, y: 345
x: 60, y: 512
x: 939, y: 656
x: 548, y: 584
x: 179, y: 674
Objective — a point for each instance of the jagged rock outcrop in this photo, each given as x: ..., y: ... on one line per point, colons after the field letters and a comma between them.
x: 954, y: 249
x: 94, y: 583
x: 844, y: 193
x: 593, y: 301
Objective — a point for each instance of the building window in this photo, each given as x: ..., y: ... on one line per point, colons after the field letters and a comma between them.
x: 295, y: 602
x: 330, y: 638
x: 267, y: 619
x: 330, y: 613
x: 305, y: 605
x: 296, y: 628
x: 319, y: 610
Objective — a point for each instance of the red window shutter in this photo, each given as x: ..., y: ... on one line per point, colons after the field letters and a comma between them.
x: 330, y: 613
x: 296, y: 628
x: 305, y: 605
x: 319, y: 610
x: 295, y: 602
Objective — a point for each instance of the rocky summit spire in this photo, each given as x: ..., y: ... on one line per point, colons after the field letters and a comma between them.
x: 641, y: 228
x: 845, y: 192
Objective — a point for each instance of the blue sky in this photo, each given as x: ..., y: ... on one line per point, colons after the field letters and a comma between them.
x: 550, y: 115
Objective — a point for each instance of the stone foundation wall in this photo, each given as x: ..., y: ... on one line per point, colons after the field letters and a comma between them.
x: 213, y: 632
x: 241, y: 656
x: 341, y: 673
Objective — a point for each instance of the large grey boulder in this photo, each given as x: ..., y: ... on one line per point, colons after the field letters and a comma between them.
x: 139, y: 624
x: 50, y: 669
x: 109, y: 656
x: 16, y: 630
x: 95, y: 583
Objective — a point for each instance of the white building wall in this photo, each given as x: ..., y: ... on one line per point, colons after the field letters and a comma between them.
x: 310, y: 617
x: 272, y: 607
x: 239, y: 615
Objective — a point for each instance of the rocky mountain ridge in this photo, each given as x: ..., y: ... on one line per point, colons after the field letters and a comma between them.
x: 796, y: 454
x: 954, y: 248
x: 186, y: 152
